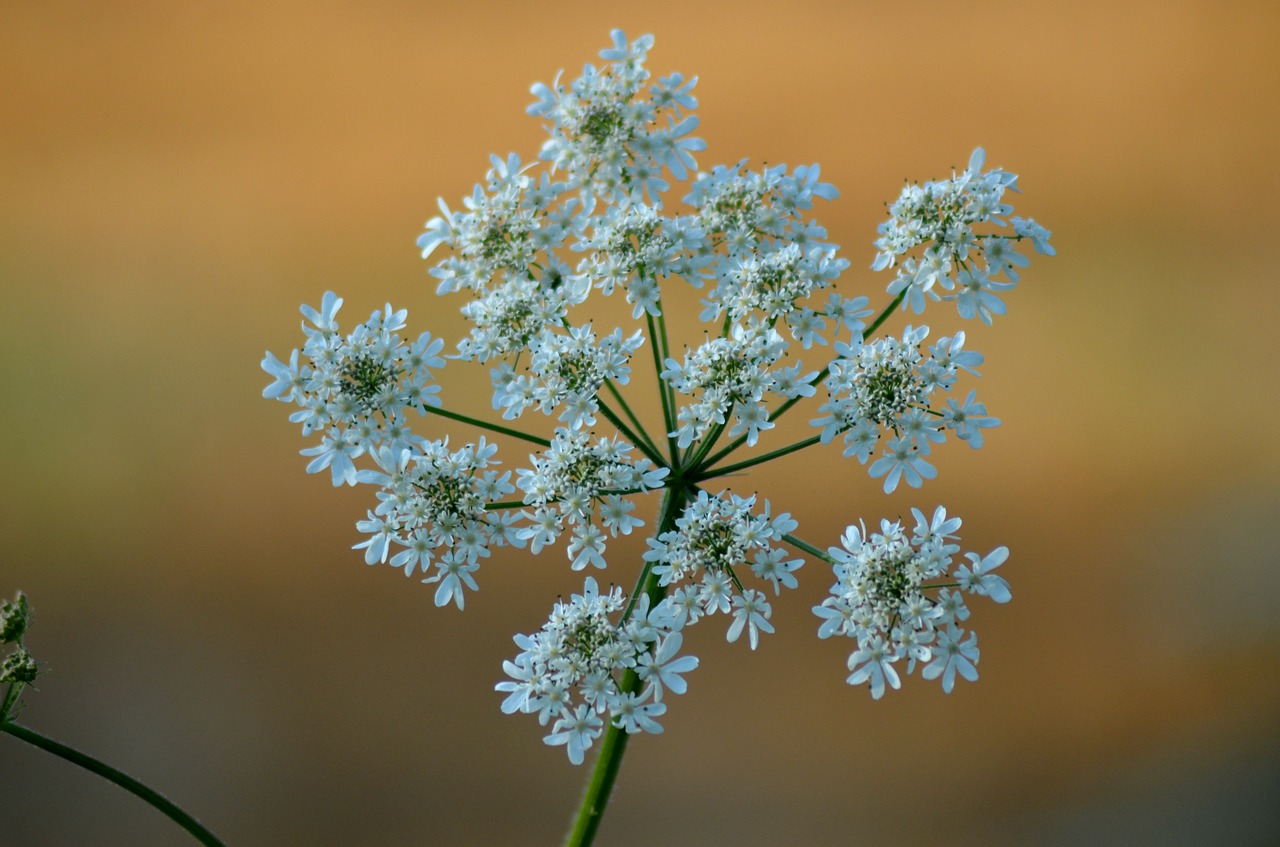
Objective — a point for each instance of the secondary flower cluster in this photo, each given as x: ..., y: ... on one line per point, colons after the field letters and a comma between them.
x: 887, y: 385
x: 532, y: 244
x: 572, y: 671
x: 888, y: 597
x: 942, y: 214
x: 579, y: 481
x: 355, y: 390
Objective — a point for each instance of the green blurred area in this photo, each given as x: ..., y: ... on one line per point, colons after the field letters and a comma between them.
x: 175, y: 179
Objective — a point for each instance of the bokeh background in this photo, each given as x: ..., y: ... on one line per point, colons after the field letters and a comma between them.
x: 176, y: 178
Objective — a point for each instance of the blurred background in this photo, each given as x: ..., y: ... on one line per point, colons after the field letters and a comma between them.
x: 176, y: 178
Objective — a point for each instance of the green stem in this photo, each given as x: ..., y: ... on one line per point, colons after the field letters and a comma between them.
x: 505, y: 504
x: 596, y: 796
x: 702, y: 448
x: 493, y: 427
x: 605, y: 773
x: 128, y: 783
x: 520, y: 504
x: 10, y: 702
x: 666, y: 354
x: 631, y: 416
x: 883, y: 316
x: 657, y: 344
x: 710, y: 472
x: 800, y: 544
x: 641, y: 443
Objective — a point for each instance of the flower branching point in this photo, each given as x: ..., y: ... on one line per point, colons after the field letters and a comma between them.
x: 593, y: 216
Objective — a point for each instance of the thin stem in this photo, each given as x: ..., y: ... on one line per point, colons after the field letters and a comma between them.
x: 704, y: 447
x: 641, y: 443
x: 493, y: 427
x: 505, y: 504
x: 801, y: 544
x: 631, y: 416
x: 657, y: 343
x: 708, y: 473
x: 883, y: 316
x: 673, y: 502
x: 128, y: 783
x: 666, y: 354
x: 520, y: 504
x: 596, y: 796
x: 11, y: 695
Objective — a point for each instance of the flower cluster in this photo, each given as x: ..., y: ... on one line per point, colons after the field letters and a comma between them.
x: 355, y: 390
x: 533, y: 248
x: 698, y: 556
x: 577, y: 481
x: 612, y: 140
x: 896, y: 595
x: 887, y: 384
x: 19, y: 668
x: 566, y: 371
x: 572, y: 670
x: 435, y: 504
x: 732, y: 374
x: 942, y: 214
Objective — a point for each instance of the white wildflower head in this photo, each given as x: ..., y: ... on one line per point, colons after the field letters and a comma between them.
x: 942, y: 217
x: 898, y: 596
x: 355, y: 390
x: 531, y: 251
x: 713, y: 540
x: 570, y: 673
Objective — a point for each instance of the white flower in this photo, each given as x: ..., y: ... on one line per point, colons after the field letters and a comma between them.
x: 953, y: 656
x: 576, y: 733
x: 634, y: 714
x: 589, y: 218
x: 750, y: 610
x: 873, y: 663
x: 902, y: 459
x: 944, y: 215
x: 662, y: 670
x: 981, y: 580
x: 572, y: 670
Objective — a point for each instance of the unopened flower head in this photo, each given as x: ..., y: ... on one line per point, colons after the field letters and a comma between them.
x: 15, y: 617
x: 19, y: 667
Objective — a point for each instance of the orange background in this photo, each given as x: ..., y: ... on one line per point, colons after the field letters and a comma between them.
x: 176, y: 178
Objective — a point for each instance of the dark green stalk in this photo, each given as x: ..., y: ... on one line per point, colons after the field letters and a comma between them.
x: 658, y: 345
x: 493, y: 427
x: 666, y: 354
x: 883, y: 316
x: 709, y: 472
x: 128, y: 783
x: 631, y: 416
x: 605, y: 773
x: 704, y: 447
x: 641, y: 443
x: 505, y: 504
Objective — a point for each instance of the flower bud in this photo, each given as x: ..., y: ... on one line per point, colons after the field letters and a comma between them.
x: 15, y: 617
x: 20, y: 666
